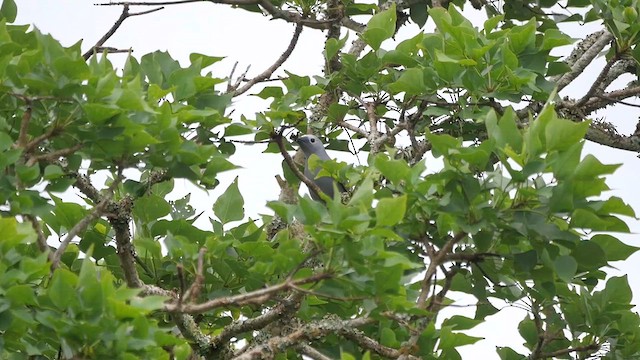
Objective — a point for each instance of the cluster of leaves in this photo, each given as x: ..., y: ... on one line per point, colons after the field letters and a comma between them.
x: 509, y: 218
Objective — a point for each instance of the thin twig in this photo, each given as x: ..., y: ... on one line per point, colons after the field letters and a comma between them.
x: 24, y: 125
x: 277, y: 137
x: 78, y: 228
x: 52, y: 156
x: 253, y: 297
x: 194, y: 290
x: 110, y: 32
x: 596, y: 84
x: 561, y: 352
x: 269, y: 71
x: 42, y: 240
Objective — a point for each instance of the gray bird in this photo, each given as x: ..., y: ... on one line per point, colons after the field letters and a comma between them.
x: 310, y: 144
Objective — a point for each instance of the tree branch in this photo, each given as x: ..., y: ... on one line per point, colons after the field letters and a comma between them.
x: 78, y: 228
x: 269, y: 71
x: 253, y: 297
x: 583, y: 55
x: 277, y: 137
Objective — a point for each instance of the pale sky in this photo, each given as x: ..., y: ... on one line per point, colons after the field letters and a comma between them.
x: 253, y: 39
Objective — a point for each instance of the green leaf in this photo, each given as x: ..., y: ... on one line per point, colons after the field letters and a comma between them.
x: 506, y: 353
x: 382, y: 26
x: 590, y: 167
x: 504, y: 131
x: 204, y: 59
x: 62, y: 288
x: 149, y: 303
x: 98, y: 113
x: 311, y: 211
x: 20, y: 295
x: 411, y: 81
x: 53, y: 172
x: 388, y: 337
x: 459, y: 322
x: 9, y: 10
x: 614, y: 249
x: 553, y: 38
x: 617, y: 289
x: 332, y: 46
x: 566, y: 267
x: 418, y: 13
x: 230, y: 205
x: 561, y: 134
x: 390, y: 211
x: 584, y: 218
x: 151, y: 208
x: 589, y: 255
x: 363, y: 194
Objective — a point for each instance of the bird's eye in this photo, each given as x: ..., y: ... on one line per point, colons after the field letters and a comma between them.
x: 313, y: 140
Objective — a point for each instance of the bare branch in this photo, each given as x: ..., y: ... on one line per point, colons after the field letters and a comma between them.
x: 288, y: 305
x: 436, y: 260
x: 110, y: 32
x: 312, y: 352
x: 78, y: 228
x: 53, y: 156
x: 269, y: 71
x: 253, y: 297
x: 194, y: 290
x: 317, y: 330
x: 583, y: 55
x: 598, y: 81
x: 42, y: 240
x: 587, y: 348
x: 24, y: 125
x: 353, y: 128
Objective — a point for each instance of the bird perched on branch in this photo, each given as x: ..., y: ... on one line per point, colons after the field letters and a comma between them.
x: 310, y: 145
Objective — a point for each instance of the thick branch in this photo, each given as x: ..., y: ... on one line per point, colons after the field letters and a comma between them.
x: 584, y: 54
x: 313, y: 331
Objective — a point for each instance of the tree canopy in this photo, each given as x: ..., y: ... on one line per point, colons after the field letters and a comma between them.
x: 514, y: 213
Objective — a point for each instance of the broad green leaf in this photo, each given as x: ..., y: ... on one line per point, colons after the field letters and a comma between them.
x: 388, y: 337
x: 381, y: 27
x: 506, y: 353
x: 614, y: 249
x: 411, y: 82
x: 332, y: 46
x: 363, y: 194
x: 590, y: 167
x: 566, y: 267
x: 583, y: 218
x: 418, y: 13
x: 561, y: 134
x: 553, y: 38
x: 62, y: 288
x: 151, y: 208
x: 459, y: 322
x: 230, y: 205
x: 149, y: 303
x: 9, y: 10
x: 617, y: 289
x: 390, y: 211
x: 205, y: 60
x: 504, y: 131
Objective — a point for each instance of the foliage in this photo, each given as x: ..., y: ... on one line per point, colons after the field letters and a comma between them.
x: 517, y: 214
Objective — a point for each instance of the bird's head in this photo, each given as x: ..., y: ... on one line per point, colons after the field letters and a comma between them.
x: 310, y: 144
